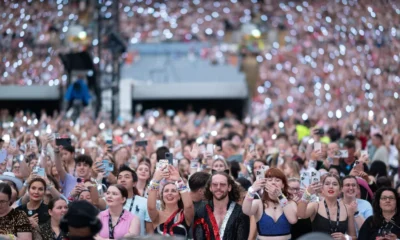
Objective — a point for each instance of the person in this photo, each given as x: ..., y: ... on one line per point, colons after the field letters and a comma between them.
x: 384, y: 223
x: 77, y: 91
x: 117, y: 222
x: 135, y: 204
x: 328, y: 215
x: 291, y: 169
x: 197, y: 185
x: 80, y: 222
x: 143, y: 174
x: 58, y: 207
x: 177, y: 209
x: 13, y: 222
x: 364, y: 208
x: 35, y: 209
x: 275, y: 212
x: 302, y: 226
x: 67, y: 157
x: 219, y: 165
x: 220, y: 217
x: 381, y: 152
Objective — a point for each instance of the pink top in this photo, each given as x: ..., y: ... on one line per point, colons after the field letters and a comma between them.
x: 122, y: 227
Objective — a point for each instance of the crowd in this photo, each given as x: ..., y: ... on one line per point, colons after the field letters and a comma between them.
x: 31, y: 36
x: 191, y: 175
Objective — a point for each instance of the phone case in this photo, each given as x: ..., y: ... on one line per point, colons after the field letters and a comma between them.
x: 305, y: 180
x: 163, y: 164
x: 315, y: 176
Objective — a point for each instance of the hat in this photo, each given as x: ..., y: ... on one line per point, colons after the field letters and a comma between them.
x: 9, y: 176
x: 81, y: 214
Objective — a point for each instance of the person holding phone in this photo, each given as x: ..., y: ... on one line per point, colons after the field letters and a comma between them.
x: 177, y: 209
x: 385, y: 222
x: 275, y: 212
x: 35, y: 209
x: 329, y: 215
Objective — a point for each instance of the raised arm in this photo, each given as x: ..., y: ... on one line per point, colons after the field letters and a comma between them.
x: 58, y: 162
x: 188, y: 208
x: 152, y: 198
x: 249, y: 206
x: 304, y: 208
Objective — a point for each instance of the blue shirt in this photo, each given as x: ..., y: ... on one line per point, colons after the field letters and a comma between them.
x: 139, y: 209
x: 68, y: 184
x: 365, y: 210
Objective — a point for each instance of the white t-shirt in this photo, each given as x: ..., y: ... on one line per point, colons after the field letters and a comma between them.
x: 139, y: 209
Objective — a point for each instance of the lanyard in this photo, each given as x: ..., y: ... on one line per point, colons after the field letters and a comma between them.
x: 333, y: 229
x: 386, y: 228
x: 111, y: 227
x: 130, y: 208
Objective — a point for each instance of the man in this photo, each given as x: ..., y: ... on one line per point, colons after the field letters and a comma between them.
x: 231, y: 152
x: 345, y: 165
x: 364, y: 208
x: 197, y: 185
x: 221, y: 218
x: 381, y: 152
x: 80, y: 222
x: 135, y: 204
x: 67, y: 157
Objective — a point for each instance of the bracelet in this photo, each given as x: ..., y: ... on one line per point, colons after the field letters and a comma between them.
x: 154, y: 185
x: 283, y: 202
x: 306, y: 197
x: 181, y: 186
x: 49, y: 187
x: 250, y: 195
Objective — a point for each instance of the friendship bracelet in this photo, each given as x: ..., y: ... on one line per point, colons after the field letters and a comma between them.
x: 181, y: 186
x: 250, y: 195
x: 283, y: 202
x: 154, y: 185
x: 306, y: 197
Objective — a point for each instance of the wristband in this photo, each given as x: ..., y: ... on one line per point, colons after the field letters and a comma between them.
x: 181, y: 186
x: 250, y: 195
x: 251, y: 191
x: 306, y: 197
x: 154, y: 185
x: 283, y: 202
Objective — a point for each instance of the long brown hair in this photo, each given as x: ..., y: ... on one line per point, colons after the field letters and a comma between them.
x: 180, y: 202
x: 275, y: 172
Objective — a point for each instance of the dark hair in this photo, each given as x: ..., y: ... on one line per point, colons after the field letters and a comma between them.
x: 252, y: 167
x: 234, y: 168
x: 53, y: 201
x: 85, y: 159
x: 378, y: 169
x: 160, y: 152
x: 70, y: 149
x: 13, y: 186
x: 6, y: 189
x: 349, y: 177
x: 378, y: 136
x: 122, y: 190
x: 349, y: 144
x: 145, y: 161
x: 377, y: 218
x: 198, y: 180
x: 55, y: 182
x: 38, y: 179
x: 244, y: 183
x: 134, y: 176
x: 234, y: 194
x: 275, y: 172
x: 383, y: 182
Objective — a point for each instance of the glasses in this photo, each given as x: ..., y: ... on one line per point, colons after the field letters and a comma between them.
x: 3, y: 202
x: 388, y: 198
x: 295, y: 189
x: 221, y: 185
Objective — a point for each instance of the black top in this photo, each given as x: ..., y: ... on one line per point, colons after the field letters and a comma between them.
x: 369, y: 231
x: 321, y: 224
x: 47, y: 232
x: 303, y: 226
x: 237, y: 227
x: 42, y: 211
x: 180, y: 230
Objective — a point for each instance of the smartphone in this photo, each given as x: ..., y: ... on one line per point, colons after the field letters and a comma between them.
x: 105, y: 165
x: 363, y: 152
x: 305, y: 180
x: 342, y: 154
x: 356, y: 163
x: 41, y: 172
x: 210, y: 149
x: 317, y: 146
x: 109, y: 142
x: 141, y: 143
x: 13, y: 143
x: 319, y: 131
x: 134, y: 161
x: 315, y: 176
x: 252, y: 148
x: 63, y: 142
x: 260, y: 174
x: 163, y: 163
x: 170, y: 157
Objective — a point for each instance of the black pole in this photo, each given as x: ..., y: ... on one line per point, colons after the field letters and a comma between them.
x: 99, y: 48
x: 115, y: 67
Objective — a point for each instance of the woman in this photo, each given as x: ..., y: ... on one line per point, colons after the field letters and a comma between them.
x: 275, y: 212
x: 13, y: 223
x: 184, y: 166
x: 291, y: 169
x: 153, y: 161
x: 143, y: 173
x: 303, y: 226
x: 116, y: 221
x: 177, y: 209
x: 16, y: 170
x: 85, y: 195
x: 58, y: 207
x: 219, y: 164
x: 329, y: 215
x: 385, y: 223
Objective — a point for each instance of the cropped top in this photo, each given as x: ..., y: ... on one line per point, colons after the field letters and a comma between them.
x: 267, y: 227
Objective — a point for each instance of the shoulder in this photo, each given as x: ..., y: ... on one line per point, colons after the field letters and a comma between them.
x: 44, y: 207
x: 127, y: 215
x: 140, y: 200
x: 363, y: 203
x: 104, y: 213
